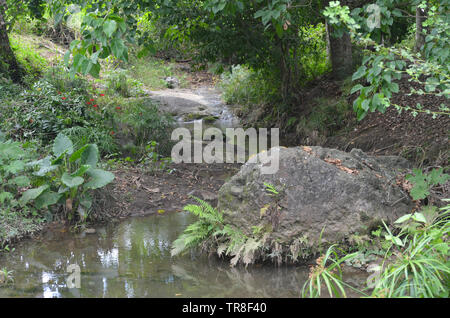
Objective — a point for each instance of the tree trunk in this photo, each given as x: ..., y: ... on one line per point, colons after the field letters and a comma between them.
x: 341, y: 54
x: 420, y: 36
x: 8, y: 62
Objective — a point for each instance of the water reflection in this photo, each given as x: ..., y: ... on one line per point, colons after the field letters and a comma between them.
x: 132, y: 259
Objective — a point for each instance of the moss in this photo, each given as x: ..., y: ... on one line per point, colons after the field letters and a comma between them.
x: 210, y: 119
x: 194, y: 116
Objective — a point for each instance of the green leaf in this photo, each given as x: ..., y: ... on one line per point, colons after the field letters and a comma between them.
x: 394, y: 87
x: 431, y: 84
x: 5, y: 196
x: 436, y: 176
x: 15, y: 166
x: 77, y: 154
x: 117, y: 47
x: 403, y: 219
x: 71, y: 182
x: 62, y: 144
x: 109, y: 27
x: 32, y: 194
x: 419, y: 217
x: 86, y: 201
x: 90, y: 155
x: 11, y: 150
x: 21, y: 181
x: 95, y: 70
x: 419, y: 191
x: 45, y: 166
x: 46, y: 199
x: 359, y: 73
x: 397, y: 241
x: 99, y: 178
x: 77, y: 61
x: 66, y: 58
x: 356, y: 88
x: 365, y: 105
x: 81, y: 171
x: 73, y: 44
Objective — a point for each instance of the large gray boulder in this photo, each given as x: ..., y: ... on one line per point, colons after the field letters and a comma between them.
x: 325, y: 195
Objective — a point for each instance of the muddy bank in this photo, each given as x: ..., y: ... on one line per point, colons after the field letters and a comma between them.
x: 139, y: 193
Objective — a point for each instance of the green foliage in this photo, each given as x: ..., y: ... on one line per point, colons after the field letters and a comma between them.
x: 142, y: 120
x: 67, y: 178
x: 118, y: 82
x: 151, y: 72
x: 102, y: 36
x: 23, y: 9
x: 13, y: 159
x: 383, y: 65
x: 101, y: 136
x: 210, y: 221
x: 246, y: 88
x: 54, y: 104
x: 152, y: 161
x: 327, y: 116
x: 15, y: 176
x: 421, y: 268
x: 211, y: 232
x: 423, y: 182
x: 262, y: 35
x: 6, y: 277
x: 271, y: 189
x: 30, y: 60
x: 327, y: 273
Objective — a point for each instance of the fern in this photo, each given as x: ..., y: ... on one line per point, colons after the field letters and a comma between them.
x: 209, y: 223
x: 204, y: 211
x: 210, y: 228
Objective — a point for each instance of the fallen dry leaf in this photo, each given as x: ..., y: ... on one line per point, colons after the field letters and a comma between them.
x: 307, y: 149
x: 338, y: 163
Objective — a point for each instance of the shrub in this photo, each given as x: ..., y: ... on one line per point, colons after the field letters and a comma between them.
x: 142, y: 120
x: 63, y: 179
x: 327, y: 272
x: 247, y: 88
x: 119, y: 83
x: 421, y: 267
x: 56, y: 103
x: 67, y: 178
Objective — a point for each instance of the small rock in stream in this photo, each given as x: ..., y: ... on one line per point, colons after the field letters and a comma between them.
x: 89, y: 231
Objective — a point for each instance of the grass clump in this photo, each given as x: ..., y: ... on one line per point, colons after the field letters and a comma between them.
x: 415, y: 264
x: 152, y: 72
x: 27, y: 55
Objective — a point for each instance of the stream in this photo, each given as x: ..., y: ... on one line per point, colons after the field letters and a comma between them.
x: 131, y: 258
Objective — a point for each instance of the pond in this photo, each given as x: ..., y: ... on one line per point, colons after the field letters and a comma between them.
x: 132, y: 259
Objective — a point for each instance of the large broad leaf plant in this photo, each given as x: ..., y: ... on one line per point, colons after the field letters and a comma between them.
x: 67, y: 177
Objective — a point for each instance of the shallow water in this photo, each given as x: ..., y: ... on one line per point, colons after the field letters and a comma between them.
x: 132, y: 259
